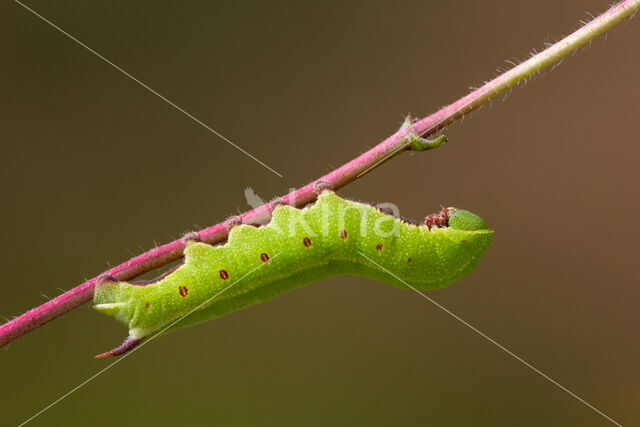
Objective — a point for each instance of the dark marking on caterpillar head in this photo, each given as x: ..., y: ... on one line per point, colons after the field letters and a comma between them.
x: 306, y: 241
x: 224, y: 275
x: 343, y: 234
x: 379, y: 247
x: 408, y: 259
x: 264, y: 257
x: 439, y: 220
x: 183, y: 291
x: 320, y: 186
x: 146, y: 305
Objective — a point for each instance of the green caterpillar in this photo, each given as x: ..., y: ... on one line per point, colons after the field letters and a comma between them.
x: 332, y: 237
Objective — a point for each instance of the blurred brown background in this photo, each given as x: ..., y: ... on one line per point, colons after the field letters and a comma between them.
x: 95, y: 169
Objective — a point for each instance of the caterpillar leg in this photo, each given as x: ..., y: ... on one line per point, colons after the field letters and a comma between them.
x: 129, y: 344
x: 321, y: 186
x: 191, y: 236
x: 232, y: 221
x: 276, y: 202
x: 106, y: 278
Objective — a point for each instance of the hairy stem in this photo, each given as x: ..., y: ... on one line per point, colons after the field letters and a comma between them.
x: 347, y: 173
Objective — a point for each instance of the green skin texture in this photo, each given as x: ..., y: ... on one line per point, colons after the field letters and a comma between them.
x: 422, y: 257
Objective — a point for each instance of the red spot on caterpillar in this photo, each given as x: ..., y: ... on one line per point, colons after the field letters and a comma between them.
x: 146, y: 305
x: 343, y: 234
x: 224, y: 275
x: 306, y: 241
x: 264, y: 257
x: 408, y: 259
x: 379, y: 246
x: 183, y: 291
x: 463, y: 241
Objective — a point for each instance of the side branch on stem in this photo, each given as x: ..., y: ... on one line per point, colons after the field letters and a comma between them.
x: 404, y: 139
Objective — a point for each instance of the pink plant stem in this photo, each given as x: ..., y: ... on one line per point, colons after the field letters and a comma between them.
x: 347, y: 173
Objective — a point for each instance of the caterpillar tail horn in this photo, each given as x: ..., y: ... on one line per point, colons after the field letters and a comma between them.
x: 129, y: 344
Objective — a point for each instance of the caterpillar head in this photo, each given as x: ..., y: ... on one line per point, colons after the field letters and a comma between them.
x: 457, y: 219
